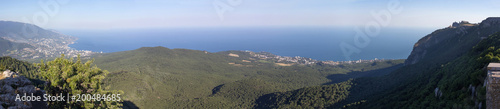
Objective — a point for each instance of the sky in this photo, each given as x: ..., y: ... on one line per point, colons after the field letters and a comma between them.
x: 130, y: 14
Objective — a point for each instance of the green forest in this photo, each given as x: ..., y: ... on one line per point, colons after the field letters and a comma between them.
x: 161, y: 77
x: 180, y: 78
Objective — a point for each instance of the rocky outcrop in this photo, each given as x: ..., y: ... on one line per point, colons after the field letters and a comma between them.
x: 438, y: 93
x: 490, y: 22
x: 459, y: 33
x: 11, y: 85
x: 461, y: 24
x: 8, y: 73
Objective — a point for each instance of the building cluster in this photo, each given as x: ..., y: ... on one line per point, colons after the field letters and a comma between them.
x: 304, y: 61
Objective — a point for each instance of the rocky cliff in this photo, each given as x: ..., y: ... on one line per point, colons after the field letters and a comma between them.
x: 465, y: 33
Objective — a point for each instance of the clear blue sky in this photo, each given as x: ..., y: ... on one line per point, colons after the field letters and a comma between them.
x: 118, y: 14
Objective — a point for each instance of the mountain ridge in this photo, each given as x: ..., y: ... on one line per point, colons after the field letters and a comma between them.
x: 28, y: 41
x: 476, y: 32
x: 451, y: 75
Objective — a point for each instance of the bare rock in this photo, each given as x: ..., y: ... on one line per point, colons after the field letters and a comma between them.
x: 7, y: 89
x: 26, y: 89
x: 13, y: 85
x: 8, y: 73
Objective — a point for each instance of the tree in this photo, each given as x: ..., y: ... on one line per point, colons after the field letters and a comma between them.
x: 65, y: 77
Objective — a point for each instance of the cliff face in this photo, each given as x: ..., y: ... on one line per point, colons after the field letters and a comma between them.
x: 464, y: 34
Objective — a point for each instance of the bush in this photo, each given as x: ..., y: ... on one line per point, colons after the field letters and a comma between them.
x: 68, y: 77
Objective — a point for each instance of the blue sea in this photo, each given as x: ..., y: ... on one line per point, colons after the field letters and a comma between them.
x: 320, y: 43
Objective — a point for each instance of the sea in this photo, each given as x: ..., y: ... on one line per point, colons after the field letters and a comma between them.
x: 320, y: 43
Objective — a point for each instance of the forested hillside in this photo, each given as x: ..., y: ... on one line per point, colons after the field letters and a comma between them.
x: 449, y: 74
x: 311, y: 97
x: 24, y: 68
x: 452, y: 76
x: 456, y: 84
x: 154, y: 77
x: 446, y: 69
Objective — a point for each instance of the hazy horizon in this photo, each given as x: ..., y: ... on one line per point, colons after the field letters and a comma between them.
x: 141, y: 14
x: 316, y: 43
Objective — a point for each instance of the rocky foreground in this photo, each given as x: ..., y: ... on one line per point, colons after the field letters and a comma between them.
x: 12, y: 84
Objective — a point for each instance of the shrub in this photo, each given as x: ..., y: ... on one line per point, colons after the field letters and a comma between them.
x: 65, y: 77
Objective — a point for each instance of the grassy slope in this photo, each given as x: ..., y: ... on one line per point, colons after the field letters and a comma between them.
x: 154, y: 77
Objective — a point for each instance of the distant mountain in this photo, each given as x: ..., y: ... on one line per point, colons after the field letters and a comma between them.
x: 27, y: 41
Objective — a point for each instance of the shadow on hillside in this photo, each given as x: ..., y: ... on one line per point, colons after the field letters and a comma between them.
x: 129, y: 105
x: 266, y: 101
x: 337, y: 78
x: 216, y: 89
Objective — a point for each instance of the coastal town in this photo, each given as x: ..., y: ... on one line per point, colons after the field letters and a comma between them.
x: 36, y: 48
x: 304, y: 61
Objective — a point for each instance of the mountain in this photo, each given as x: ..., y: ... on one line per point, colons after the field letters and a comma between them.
x: 458, y: 83
x: 464, y: 34
x: 153, y: 77
x: 27, y: 41
x: 445, y: 70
